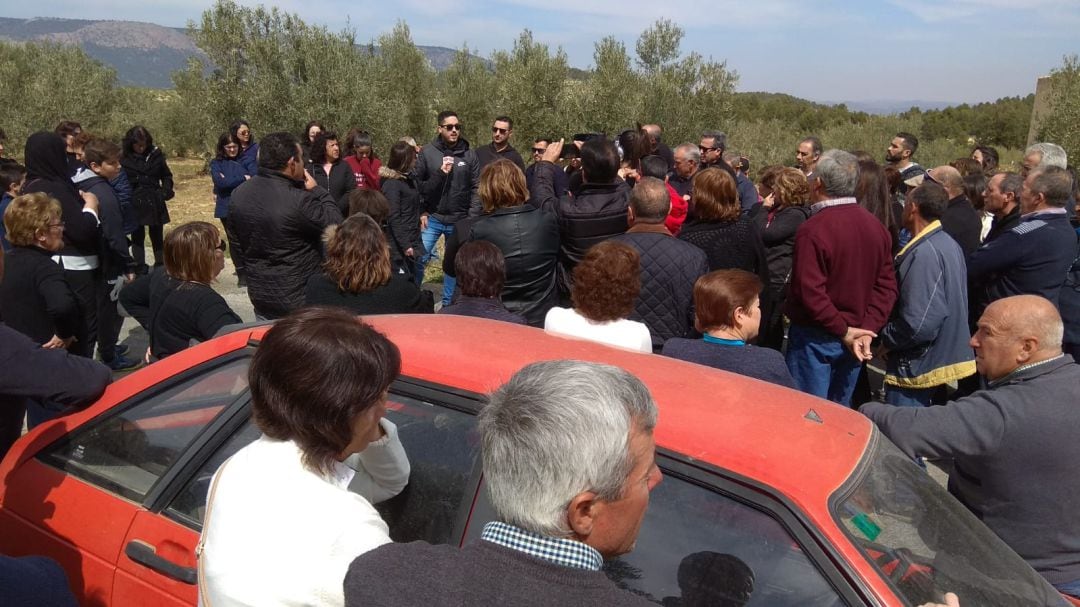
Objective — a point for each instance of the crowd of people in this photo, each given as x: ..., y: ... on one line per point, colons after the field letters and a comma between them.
x: 960, y: 282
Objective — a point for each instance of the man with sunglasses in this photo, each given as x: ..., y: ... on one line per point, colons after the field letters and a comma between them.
x: 500, y: 147
x: 448, y: 174
x: 562, y: 180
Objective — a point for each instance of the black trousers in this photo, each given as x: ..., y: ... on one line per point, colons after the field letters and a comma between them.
x: 234, y: 248
x: 109, y: 323
x: 84, y: 283
x: 157, y: 241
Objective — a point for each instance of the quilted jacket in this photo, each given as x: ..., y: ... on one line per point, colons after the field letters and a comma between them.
x: 594, y: 214
x: 669, y: 268
x: 278, y: 227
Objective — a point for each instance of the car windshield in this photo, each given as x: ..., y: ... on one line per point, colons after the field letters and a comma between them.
x: 926, y: 543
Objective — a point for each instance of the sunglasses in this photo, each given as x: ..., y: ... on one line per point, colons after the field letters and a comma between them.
x: 451, y: 127
x: 221, y: 246
x: 539, y: 150
x: 704, y: 149
x: 496, y: 129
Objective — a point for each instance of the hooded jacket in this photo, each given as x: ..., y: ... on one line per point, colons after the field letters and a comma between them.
x: 116, y: 257
x: 448, y: 197
x: 47, y: 172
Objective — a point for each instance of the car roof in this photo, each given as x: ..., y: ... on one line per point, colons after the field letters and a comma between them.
x: 802, y: 446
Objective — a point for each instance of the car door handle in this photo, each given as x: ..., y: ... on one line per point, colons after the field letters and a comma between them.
x: 146, y: 554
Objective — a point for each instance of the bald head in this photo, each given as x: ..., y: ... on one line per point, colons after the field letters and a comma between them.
x: 949, y: 178
x: 649, y: 201
x: 1016, y: 331
x: 1031, y: 317
x: 652, y: 129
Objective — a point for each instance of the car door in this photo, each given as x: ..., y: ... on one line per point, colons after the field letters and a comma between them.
x: 436, y: 425
x: 90, y: 487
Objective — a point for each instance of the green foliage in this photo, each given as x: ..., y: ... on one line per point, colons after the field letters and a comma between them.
x: 276, y: 71
x: 45, y: 83
x: 1001, y: 123
x: 1061, y: 124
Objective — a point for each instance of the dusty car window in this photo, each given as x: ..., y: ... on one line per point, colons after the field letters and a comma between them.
x: 701, y: 547
x: 926, y: 543
x: 127, y: 452
x: 441, y: 445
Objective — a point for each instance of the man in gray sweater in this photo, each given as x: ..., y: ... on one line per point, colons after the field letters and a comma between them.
x: 1014, y: 444
x: 566, y: 499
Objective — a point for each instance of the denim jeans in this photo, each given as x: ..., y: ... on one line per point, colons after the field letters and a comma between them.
x: 820, y: 364
x: 909, y: 397
x: 430, y: 236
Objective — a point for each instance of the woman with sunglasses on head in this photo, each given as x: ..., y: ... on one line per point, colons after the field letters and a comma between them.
x: 249, y: 149
x: 177, y: 305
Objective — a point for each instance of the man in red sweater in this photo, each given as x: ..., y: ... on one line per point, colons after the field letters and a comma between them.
x: 842, y: 283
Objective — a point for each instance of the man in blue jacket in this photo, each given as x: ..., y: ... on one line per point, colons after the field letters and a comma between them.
x: 1033, y: 257
x: 925, y: 341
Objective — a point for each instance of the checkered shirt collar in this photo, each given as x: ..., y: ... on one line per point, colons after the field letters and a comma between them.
x: 568, y: 553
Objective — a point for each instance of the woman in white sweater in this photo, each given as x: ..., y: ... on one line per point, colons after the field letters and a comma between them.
x: 287, y: 514
x: 606, y: 286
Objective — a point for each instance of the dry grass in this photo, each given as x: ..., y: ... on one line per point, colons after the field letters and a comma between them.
x: 194, y: 192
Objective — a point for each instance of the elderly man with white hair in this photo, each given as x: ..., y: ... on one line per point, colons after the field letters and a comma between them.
x: 568, y: 459
x: 1043, y: 155
x: 1013, y: 444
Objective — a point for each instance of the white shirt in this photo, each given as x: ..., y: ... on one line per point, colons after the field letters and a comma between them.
x: 624, y: 333
x: 279, y: 534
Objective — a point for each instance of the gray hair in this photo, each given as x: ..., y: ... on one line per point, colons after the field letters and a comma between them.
x: 690, y: 151
x: 1053, y: 182
x: 1012, y: 183
x: 719, y: 138
x: 1052, y: 155
x: 838, y: 172
x: 554, y: 430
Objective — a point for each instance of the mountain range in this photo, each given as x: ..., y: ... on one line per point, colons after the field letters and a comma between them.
x: 146, y: 54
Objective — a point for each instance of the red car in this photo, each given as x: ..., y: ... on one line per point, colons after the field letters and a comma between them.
x: 772, y: 496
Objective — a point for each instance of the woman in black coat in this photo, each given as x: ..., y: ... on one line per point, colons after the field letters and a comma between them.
x: 403, y: 196
x: 151, y: 186
x: 784, y: 210
x: 729, y: 238
x: 357, y: 274
x: 329, y: 171
x: 527, y: 236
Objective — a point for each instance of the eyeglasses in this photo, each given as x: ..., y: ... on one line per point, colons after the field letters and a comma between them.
x: 496, y: 129
x: 704, y: 149
x: 539, y: 150
x: 451, y: 127
x: 221, y: 246
x: 59, y: 224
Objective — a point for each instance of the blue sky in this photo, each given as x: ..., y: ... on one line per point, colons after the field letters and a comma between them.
x: 947, y: 50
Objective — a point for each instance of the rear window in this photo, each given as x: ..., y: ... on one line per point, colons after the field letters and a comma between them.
x: 926, y: 543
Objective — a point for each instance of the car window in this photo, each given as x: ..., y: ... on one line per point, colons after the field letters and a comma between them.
x: 441, y: 444
x: 128, y: 451
x: 926, y: 543
x: 701, y: 547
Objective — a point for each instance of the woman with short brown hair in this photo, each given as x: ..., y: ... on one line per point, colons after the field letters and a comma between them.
x: 527, y: 236
x: 783, y: 211
x: 288, y: 512
x: 729, y: 238
x: 177, y: 304
x: 357, y: 274
x: 607, y: 283
x: 727, y: 312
